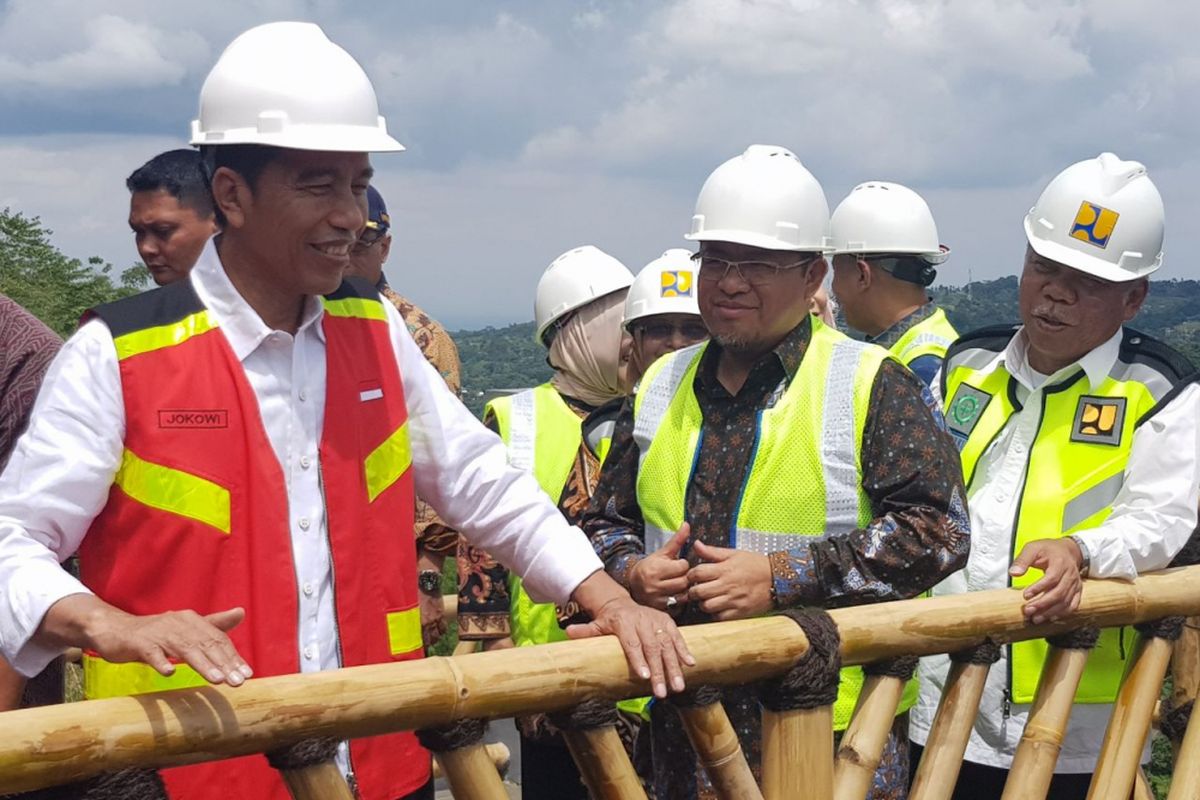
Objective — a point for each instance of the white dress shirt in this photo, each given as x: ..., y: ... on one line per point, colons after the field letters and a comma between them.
x: 1151, y: 520
x: 60, y: 473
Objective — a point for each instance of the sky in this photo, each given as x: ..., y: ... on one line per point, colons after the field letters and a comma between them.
x: 535, y: 126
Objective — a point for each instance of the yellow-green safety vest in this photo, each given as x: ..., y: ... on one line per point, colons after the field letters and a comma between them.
x: 1075, y: 468
x: 543, y: 436
x: 931, y: 336
x: 805, y: 477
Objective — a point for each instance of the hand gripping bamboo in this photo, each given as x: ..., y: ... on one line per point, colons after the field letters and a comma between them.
x: 938, y: 771
x: 1037, y: 754
x: 865, y: 738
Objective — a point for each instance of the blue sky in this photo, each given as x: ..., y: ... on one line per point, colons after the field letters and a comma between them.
x: 536, y: 126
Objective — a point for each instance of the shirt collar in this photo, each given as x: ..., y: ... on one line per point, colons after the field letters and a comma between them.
x: 241, y: 324
x: 789, y: 352
x: 1096, y: 363
x: 892, y: 335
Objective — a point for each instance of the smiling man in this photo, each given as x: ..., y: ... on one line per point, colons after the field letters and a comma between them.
x: 1079, y: 446
x: 779, y: 465
x: 268, y: 529
x: 170, y: 213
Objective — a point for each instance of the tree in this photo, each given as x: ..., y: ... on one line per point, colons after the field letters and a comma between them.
x: 53, y: 287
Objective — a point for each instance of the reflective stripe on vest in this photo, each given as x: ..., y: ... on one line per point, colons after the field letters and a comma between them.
x: 1074, y: 471
x: 174, y: 490
x: 156, y: 338
x: 805, y: 477
x: 103, y: 679
x: 387, y: 462
x: 404, y: 631
x: 931, y: 336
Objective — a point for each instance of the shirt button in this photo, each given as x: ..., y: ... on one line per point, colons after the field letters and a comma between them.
x: 310, y: 652
x: 303, y: 395
x: 308, y: 590
x: 305, y: 462
x: 303, y: 523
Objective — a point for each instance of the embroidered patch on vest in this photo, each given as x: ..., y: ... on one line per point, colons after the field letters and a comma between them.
x: 193, y: 418
x: 965, y: 409
x: 1099, y: 420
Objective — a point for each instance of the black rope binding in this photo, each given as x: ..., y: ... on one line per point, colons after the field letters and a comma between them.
x: 455, y: 736
x: 305, y: 753
x: 696, y: 698
x: 901, y: 667
x: 588, y: 715
x: 126, y: 784
x: 1078, y: 639
x: 985, y: 653
x: 1168, y: 628
x: 812, y: 682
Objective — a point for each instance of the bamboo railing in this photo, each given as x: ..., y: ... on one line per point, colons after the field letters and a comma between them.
x: 68, y: 743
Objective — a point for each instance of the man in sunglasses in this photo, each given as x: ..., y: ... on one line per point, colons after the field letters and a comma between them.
x: 661, y: 314
x: 435, y: 539
x: 780, y: 464
x: 886, y: 254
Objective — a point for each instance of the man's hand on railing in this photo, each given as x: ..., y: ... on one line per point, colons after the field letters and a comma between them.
x: 1058, y: 591
x: 652, y: 643
x: 84, y: 620
x: 660, y: 579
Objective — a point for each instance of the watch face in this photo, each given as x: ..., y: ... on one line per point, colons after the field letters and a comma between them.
x: 429, y: 581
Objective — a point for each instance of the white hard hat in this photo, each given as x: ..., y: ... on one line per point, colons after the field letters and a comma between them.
x: 667, y: 285
x: 573, y: 280
x: 886, y: 218
x: 285, y: 84
x: 763, y: 198
x: 1103, y: 216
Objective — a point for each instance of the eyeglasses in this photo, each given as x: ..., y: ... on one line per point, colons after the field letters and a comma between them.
x: 690, y: 332
x: 755, y: 273
x: 368, y: 239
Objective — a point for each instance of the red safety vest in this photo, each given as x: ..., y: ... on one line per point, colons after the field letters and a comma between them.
x: 197, y: 517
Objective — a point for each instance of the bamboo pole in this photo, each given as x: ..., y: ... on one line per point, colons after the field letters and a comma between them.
x: 497, y: 752
x: 937, y: 774
x: 322, y: 781
x: 1130, y: 723
x: 603, y: 764
x: 1141, y: 786
x: 1185, y: 780
x: 60, y: 744
x: 1037, y: 754
x: 798, y: 754
x: 866, y: 736
x: 471, y: 774
x: 716, y: 745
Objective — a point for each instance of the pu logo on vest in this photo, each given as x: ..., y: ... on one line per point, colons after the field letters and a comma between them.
x: 677, y: 283
x: 1099, y: 420
x: 1094, y: 224
x: 193, y: 418
x: 965, y: 409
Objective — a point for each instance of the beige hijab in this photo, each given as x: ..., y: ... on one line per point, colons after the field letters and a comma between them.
x: 586, y: 351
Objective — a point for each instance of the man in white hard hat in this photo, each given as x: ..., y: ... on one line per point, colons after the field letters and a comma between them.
x: 578, y: 306
x: 886, y: 252
x: 246, y: 445
x: 661, y: 313
x: 1079, y: 446
x: 763, y: 470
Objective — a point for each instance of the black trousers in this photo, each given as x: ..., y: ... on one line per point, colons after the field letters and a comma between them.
x: 981, y: 782
x: 548, y: 772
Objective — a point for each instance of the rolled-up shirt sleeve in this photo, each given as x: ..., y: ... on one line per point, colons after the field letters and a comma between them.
x: 55, y: 484
x: 1154, y: 513
x: 461, y: 469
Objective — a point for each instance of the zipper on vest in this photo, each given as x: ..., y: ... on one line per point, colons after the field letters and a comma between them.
x: 351, y: 780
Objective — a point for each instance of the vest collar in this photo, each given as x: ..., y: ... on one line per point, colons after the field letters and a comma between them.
x: 241, y: 324
x: 1096, y: 364
x: 892, y: 335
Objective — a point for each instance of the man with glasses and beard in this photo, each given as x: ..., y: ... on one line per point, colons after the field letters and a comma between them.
x: 781, y: 464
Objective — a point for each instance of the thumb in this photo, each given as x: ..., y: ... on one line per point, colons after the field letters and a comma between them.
x: 712, y: 554
x: 1027, y: 558
x: 227, y: 620
x: 673, y: 547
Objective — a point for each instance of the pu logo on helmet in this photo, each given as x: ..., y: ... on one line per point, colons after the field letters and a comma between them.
x: 677, y: 283
x: 1099, y: 420
x: 1094, y: 224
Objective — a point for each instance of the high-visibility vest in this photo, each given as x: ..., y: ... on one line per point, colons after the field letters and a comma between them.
x: 806, y: 475
x: 198, y: 515
x: 931, y: 336
x: 543, y: 436
x: 1075, y: 468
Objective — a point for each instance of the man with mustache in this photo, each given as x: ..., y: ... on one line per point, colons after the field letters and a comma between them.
x: 1079, y: 446
x: 780, y: 464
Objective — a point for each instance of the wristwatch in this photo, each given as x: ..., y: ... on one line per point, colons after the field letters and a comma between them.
x: 429, y: 581
x: 1085, y: 553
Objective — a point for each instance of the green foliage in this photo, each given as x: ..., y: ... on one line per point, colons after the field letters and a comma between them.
x: 499, y: 358
x: 54, y: 288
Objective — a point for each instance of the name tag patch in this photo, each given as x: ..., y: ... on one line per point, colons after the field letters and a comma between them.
x: 1099, y: 420
x: 965, y: 409
x: 370, y: 394
x: 193, y: 418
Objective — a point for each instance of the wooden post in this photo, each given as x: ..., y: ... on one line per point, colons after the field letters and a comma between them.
x: 716, y: 745
x: 1185, y: 780
x: 497, y: 753
x: 60, y: 744
x: 458, y: 747
x: 1130, y: 723
x: 310, y: 771
x: 1037, y: 754
x: 591, y: 735
x: 1141, y: 786
x: 865, y: 738
x: 938, y: 771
